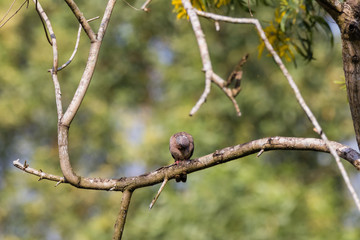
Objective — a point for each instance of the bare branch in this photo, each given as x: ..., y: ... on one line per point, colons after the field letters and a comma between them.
x: 66, y: 119
x: 38, y: 173
x: 45, y: 18
x: 218, y: 157
x: 82, y: 20
x: 89, y: 69
x: 7, y: 12
x: 205, y: 57
x: 293, y: 85
x: 204, y: 53
x: 229, y: 93
x: 76, y: 46
x: 43, y: 24
x: 106, y: 19
x: 121, y: 219
x: 127, y: 3
x: 159, y: 192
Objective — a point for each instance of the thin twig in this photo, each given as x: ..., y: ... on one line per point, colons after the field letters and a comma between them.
x: 12, y: 14
x: 7, y: 12
x: 229, y: 93
x: 82, y: 20
x: 76, y: 45
x: 121, y: 218
x: 159, y: 192
x: 293, y: 85
x: 43, y: 23
x: 248, y: 3
x: 45, y: 18
x: 127, y: 3
x: 25, y: 167
x: 145, y: 5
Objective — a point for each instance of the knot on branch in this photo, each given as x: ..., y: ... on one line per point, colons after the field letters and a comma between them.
x: 352, y: 31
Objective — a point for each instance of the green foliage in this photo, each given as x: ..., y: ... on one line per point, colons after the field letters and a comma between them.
x: 147, y: 79
x: 291, y: 28
x: 294, y: 25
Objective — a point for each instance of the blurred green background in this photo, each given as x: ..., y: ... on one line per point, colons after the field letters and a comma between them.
x: 147, y: 80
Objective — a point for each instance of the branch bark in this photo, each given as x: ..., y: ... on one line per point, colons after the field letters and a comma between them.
x: 121, y: 219
x: 347, y: 16
x: 218, y: 157
x: 82, y: 20
x: 66, y: 119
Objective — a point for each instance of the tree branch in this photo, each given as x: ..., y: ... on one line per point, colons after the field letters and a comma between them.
x: 25, y: 167
x: 90, y: 67
x: 7, y: 12
x: 53, y: 71
x: 204, y: 53
x: 76, y: 46
x: 82, y: 20
x: 121, y: 219
x: 158, y: 193
x: 294, y: 87
x: 205, y: 57
x: 66, y: 119
x: 218, y: 157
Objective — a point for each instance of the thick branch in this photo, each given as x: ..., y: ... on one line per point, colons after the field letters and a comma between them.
x: 121, y: 219
x: 218, y: 157
x: 204, y: 53
x: 90, y: 67
x: 66, y: 119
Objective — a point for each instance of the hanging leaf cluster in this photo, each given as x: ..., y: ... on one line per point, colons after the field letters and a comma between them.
x: 294, y: 23
x: 291, y: 30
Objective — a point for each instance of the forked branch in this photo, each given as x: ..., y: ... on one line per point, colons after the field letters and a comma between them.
x: 300, y: 99
x: 207, y: 67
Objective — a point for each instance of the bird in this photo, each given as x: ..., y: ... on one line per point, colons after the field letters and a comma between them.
x: 181, y: 148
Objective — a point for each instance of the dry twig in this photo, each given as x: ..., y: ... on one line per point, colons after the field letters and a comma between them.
x: 25, y: 167
x: 159, y: 192
x: 76, y: 46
